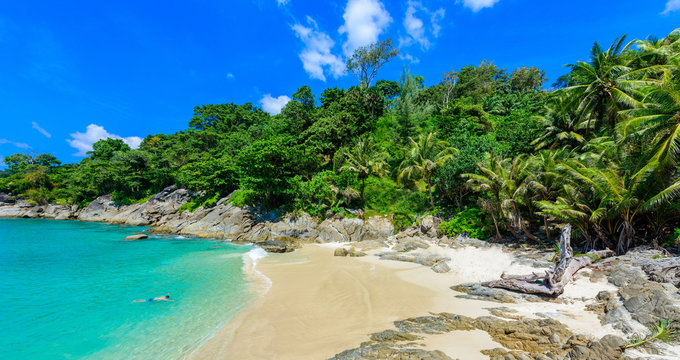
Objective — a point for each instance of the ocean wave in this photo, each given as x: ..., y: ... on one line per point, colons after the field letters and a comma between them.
x: 261, y: 283
x: 256, y: 255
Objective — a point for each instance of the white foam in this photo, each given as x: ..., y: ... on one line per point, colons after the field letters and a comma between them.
x: 256, y: 255
x: 261, y: 283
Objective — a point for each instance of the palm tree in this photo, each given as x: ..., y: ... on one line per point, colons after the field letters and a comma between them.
x: 489, y: 180
x: 659, y: 120
x: 654, y: 51
x: 508, y: 182
x: 365, y: 159
x: 546, y: 178
x: 622, y: 195
x: 606, y: 85
x: 424, y: 158
x: 562, y: 124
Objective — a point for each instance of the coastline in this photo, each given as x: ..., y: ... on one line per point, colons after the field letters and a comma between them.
x: 320, y: 305
x: 312, y: 304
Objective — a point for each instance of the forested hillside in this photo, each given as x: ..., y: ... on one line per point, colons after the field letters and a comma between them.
x: 489, y: 149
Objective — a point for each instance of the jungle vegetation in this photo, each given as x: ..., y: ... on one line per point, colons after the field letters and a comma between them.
x: 491, y: 150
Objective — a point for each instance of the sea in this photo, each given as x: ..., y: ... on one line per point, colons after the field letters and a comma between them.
x: 67, y: 291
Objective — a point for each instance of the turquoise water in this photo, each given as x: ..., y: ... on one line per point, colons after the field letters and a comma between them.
x: 66, y: 291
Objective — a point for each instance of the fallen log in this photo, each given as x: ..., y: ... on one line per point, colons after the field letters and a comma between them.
x: 552, y: 283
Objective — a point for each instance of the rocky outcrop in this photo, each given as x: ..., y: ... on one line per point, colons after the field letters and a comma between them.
x: 223, y: 221
x: 521, y: 339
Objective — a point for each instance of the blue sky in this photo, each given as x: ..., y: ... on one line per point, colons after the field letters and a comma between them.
x: 74, y: 72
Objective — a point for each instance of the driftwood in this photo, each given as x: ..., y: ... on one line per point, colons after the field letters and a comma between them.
x: 551, y: 283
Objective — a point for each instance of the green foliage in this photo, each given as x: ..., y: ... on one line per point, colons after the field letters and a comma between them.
x: 243, y: 198
x: 600, y: 153
x: 267, y: 166
x: 366, y: 60
x: 385, y: 196
x: 469, y: 221
x: 664, y: 331
x: 105, y: 149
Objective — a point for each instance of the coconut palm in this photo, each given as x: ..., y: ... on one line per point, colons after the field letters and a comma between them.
x: 546, y: 178
x: 562, y: 124
x: 424, y: 158
x: 489, y: 180
x: 623, y: 195
x: 654, y: 51
x: 658, y: 120
x: 607, y: 84
x: 508, y: 182
x: 365, y: 159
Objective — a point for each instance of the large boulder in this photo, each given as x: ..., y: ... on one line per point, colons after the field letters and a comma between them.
x: 430, y: 226
x: 281, y: 245
x: 100, y: 209
x: 377, y: 228
x: 58, y: 212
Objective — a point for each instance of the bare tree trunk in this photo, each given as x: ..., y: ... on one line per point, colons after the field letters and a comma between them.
x: 553, y: 282
x: 625, y: 237
x: 495, y: 224
x: 547, y: 229
x: 528, y: 233
x: 429, y: 190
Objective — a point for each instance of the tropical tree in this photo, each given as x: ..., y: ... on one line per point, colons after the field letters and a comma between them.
x: 659, y: 120
x: 562, y: 124
x: 508, y: 182
x: 366, y: 60
x: 424, y: 158
x: 365, y: 159
x: 607, y: 84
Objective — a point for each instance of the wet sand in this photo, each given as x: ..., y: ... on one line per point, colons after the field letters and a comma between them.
x: 319, y: 305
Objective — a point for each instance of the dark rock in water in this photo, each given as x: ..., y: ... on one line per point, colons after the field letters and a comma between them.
x: 340, y: 252
x: 136, y: 237
x: 277, y: 246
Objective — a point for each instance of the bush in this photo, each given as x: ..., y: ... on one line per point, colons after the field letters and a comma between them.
x: 469, y: 221
x: 243, y: 198
x: 384, y: 196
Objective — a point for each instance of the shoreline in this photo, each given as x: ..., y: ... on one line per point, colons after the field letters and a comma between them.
x: 320, y: 305
x: 591, y: 307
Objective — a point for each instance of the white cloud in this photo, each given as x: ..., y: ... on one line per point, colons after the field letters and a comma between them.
x: 365, y: 20
x: 230, y: 76
x: 41, y: 130
x: 435, y: 18
x: 672, y: 5
x: 282, y: 2
x: 273, y: 105
x: 17, y: 144
x: 409, y: 57
x: 93, y: 133
x: 317, y: 58
x: 416, y: 29
x: 477, y: 5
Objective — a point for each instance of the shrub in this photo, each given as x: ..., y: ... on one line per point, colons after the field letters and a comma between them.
x: 469, y: 221
x: 243, y: 198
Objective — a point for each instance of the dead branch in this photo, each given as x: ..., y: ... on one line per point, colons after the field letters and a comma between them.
x: 553, y: 282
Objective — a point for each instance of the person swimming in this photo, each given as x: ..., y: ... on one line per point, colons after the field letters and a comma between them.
x: 160, y: 298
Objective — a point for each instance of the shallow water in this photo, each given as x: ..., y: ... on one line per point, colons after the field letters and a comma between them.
x: 66, y: 291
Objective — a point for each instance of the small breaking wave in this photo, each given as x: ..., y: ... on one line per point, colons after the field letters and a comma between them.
x: 261, y: 283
